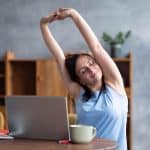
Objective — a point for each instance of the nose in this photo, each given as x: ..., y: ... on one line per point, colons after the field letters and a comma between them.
x: 91, y: 71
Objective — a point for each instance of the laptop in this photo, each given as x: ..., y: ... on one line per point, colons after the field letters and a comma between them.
x: 37, y: 117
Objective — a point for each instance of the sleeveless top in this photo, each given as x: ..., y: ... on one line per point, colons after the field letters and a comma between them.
x: 107, y: 111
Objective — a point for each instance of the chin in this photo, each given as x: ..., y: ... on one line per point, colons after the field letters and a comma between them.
x: 97, y: 80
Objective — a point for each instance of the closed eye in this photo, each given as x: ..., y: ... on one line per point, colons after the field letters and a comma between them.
x: 83, y: 70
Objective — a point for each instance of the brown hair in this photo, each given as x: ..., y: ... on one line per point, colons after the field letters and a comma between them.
x: 70, y: 63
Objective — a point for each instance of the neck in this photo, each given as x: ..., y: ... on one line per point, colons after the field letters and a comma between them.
x: 97, y: 86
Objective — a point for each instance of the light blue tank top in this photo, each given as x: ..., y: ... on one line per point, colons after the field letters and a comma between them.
x: 107, y: 112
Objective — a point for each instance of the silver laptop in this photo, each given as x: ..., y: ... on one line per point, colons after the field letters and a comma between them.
x: 37, y: 117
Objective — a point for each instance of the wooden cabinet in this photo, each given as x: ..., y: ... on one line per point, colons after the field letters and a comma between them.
x: 33, y: 77
x: 48, y: 80
x: 20, y: 77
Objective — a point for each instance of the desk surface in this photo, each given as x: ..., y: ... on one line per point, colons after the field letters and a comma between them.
x: 22, y: 144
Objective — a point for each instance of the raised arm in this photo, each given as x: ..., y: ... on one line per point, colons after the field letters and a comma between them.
x: 110, y: 71
x: 57, y: 52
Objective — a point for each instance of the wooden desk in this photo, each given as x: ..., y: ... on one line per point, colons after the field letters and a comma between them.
x: 22, y: 144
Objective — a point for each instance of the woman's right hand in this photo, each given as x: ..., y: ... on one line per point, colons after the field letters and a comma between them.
x: 59, y: 14
x: 63, y: 13
x: 48, y: 19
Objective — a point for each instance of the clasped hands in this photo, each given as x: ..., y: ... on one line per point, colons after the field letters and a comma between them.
x: 59, y: 14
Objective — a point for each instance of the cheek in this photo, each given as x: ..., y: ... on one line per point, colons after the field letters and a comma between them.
x: 99, y: 71
x: 84, y: 79
x: 80, y: 78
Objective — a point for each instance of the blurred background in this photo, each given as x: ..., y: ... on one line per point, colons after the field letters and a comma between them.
x: 20, y: 32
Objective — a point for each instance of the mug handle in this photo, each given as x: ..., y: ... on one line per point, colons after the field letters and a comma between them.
x: 94, y: 132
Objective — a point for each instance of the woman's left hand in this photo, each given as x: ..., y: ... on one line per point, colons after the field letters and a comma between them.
x: 63, y: 13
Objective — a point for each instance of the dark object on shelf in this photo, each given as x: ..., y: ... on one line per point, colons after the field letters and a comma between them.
x: 115, y: 43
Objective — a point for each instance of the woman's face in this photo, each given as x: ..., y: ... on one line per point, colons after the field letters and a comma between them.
x: 88, y: 71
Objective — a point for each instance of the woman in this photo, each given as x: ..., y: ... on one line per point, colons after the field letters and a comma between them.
x: 94, y: 80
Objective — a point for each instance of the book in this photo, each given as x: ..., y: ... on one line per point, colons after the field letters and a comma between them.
x: 4, y: 134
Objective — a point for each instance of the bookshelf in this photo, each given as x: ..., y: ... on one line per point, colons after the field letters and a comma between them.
x: 41, y: 77
x: 126, y: 70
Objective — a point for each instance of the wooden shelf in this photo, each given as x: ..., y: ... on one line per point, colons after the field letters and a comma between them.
x: 32, y: 77
x: 2, y: 78
x: 21, y: 73
x: 2, y: 86
x: 2, y: 75
x: 121, y: 59
x: 2, y: 97
x: 22, y: 60
x: 128, y: 91
x: 129, y: 116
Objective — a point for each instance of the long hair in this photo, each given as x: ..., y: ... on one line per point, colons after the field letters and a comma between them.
x: 70, y: 63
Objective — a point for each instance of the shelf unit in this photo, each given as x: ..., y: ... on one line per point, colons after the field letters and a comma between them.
x: 2, y: 86
x: 29, y: 77
x: 2, y: 79
x: 21, y: 78
x: 126, y: 70
x: 33, y: 77
x: 41, y: 77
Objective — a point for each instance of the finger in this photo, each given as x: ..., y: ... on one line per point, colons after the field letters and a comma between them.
x: 57, y: 11
x: 55, y: 15
x: 52, y: 17
x: 61, y: 9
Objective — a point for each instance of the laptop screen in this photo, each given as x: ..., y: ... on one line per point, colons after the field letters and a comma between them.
x: 37, y: 117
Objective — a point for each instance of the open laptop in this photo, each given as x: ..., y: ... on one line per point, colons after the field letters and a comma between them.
x: 37, y: 117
